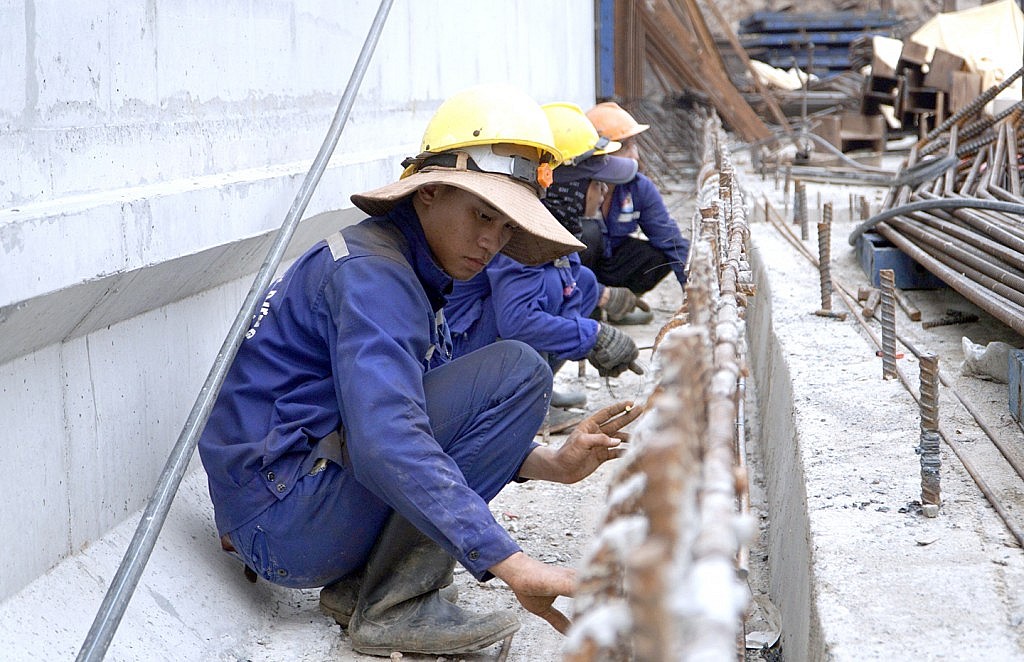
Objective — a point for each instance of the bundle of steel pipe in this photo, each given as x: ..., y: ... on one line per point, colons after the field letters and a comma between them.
x: 964, y: 224
x: 661, y: 580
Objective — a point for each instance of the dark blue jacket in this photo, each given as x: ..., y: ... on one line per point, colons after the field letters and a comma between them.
x: 546, y: 307
x: 639, y: 204
x: 344, y: 338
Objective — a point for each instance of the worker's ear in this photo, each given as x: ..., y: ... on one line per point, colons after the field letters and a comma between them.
x: 429, y: 194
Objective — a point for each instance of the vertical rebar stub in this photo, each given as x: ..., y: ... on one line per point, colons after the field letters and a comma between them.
x: 931, y: 464
x: 929, y: 392
x: 825, y: 264
x: 931, y: 461
x: 888, y: 318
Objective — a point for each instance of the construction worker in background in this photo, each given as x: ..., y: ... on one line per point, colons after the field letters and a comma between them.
x: 549, y: 306
x: 348, y: 450
x: 613, y: 253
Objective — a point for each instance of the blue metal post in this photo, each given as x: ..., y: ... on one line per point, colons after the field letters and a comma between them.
x: 605, y: 49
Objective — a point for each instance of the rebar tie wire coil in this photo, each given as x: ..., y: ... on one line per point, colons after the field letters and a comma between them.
x: 141, y: 547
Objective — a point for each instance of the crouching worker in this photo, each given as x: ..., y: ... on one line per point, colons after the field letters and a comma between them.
x: 616, y: 256
x: 549, y: 306
x: 347, y: 450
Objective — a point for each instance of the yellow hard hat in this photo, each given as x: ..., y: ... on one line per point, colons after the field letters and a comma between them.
x: 489, y: 115
x: 575, y: 135
x: 614, y: 123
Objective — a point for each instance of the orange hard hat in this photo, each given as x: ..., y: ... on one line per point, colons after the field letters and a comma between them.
x: 614, y: 123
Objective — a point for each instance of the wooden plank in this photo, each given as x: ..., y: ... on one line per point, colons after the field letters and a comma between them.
x: 913, y: 54
x: 965, y: 88
x: 829, y: 127
x: 855, y: 126
x: 941, y: 68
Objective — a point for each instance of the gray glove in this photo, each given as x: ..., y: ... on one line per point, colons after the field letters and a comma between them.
x: 621, y: 301
x: 614, y: 352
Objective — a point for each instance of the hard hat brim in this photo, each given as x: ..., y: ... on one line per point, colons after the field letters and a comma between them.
x: 609, y: 169
x: 539, y: 237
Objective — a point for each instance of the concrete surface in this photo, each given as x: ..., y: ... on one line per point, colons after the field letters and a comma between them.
x: 856, y: 569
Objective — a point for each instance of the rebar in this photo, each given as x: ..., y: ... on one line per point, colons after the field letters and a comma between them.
x: 672, y: 510
x: 888, y: 283
x: 825, y: 257
x: 800, y: 209
x: 929, y: 392
x: 825, y: 264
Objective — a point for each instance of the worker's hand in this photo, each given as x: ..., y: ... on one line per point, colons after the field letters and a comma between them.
x: 614, y: 352
x: 620, y: 301
x: 595, y: 440
x: 536, y: 585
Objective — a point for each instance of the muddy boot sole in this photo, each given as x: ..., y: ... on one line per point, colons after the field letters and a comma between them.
x: 439, y: 640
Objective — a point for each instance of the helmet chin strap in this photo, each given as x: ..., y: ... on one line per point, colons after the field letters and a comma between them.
x: 481, y: 158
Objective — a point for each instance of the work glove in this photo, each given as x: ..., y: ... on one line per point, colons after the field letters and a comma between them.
x: 614, y: 352
x: 622, y: 301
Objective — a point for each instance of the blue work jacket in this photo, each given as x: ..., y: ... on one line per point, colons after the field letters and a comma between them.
x: 638, y: 203
x: 546, y: 307
x: 345, y: 338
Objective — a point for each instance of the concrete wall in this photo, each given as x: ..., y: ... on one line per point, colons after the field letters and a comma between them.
x: 148, y: 151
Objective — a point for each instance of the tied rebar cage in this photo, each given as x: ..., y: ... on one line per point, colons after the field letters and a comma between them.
x: 665, y: 566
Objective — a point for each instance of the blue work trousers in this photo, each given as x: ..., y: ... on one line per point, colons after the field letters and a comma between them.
x: 484, y: 409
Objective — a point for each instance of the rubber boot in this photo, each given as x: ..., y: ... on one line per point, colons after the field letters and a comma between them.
x: 338, y: 600
x: 568, y: 399
x: 399, y: 607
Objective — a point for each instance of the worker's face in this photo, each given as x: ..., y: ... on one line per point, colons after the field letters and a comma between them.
x: 596, y: 193
x: 463, y: 231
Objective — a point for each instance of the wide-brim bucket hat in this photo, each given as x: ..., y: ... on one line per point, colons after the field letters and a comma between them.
x: 539, y: 237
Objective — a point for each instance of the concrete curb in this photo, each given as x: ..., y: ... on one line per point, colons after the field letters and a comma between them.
x: 856, y: 570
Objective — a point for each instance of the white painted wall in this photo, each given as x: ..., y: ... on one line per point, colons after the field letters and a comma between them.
x: 147, y: 150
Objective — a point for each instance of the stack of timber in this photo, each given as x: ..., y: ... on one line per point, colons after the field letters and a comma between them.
x: 921, y: 90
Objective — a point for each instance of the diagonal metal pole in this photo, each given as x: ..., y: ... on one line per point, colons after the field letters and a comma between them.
x: 141, y: 547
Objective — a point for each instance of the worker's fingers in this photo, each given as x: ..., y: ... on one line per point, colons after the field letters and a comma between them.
x: 616, y: 453
x: 608, y: 412
x: 643, y: 305
x: 621, y: 436
x: 623, y: 414
x: 635, y: 367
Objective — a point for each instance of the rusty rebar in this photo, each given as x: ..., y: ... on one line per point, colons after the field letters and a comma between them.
x: 931, y: 461
x: 825, y: 257
x: 929, y: 392
x: 800, y: 210
x: 888, y: 318
x: 865, y: 208
x: 825, y: 265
